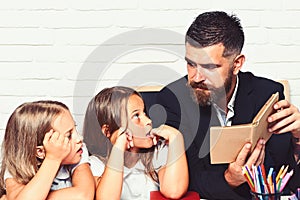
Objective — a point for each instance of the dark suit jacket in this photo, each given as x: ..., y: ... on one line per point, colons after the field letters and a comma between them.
x: 194, y: 122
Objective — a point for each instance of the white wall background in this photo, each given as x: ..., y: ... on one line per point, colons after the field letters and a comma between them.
x: 45, y: 44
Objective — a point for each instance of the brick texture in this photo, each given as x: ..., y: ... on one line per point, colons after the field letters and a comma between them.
x: 69, y: 50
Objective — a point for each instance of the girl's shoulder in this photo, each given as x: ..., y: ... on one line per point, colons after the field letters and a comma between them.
x: 84, y: 158
x: 96, y: 165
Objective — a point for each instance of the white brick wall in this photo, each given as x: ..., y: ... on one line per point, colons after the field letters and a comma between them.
x: 45, y: 45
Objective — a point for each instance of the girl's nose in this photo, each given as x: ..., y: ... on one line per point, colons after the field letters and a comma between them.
x: 78, y: 138
x: 147, y: 121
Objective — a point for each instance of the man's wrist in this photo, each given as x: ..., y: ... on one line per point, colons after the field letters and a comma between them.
x: 229, y: 179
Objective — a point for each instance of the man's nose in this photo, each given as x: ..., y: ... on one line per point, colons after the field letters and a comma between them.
x: 199, y: 74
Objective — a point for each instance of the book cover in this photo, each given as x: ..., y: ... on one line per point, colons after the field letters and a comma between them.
x: 226, y: 142
x: 190, y: 195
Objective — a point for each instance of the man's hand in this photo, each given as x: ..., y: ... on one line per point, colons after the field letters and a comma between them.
x: 233, y: 175
x: 286, y: 119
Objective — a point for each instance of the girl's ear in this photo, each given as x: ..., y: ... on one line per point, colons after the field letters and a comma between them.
x: 105, y: 130
x: 40, y: 152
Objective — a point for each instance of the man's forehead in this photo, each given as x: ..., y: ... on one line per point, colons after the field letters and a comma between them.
x: 206, y: 55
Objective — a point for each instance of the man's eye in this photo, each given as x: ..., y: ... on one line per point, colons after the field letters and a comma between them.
x: 209, y: 66
x: 192, y: 65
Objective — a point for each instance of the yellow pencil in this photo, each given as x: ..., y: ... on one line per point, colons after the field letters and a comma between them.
x: 284, y: 172
x: 248, y: 179
x: 279, y: 173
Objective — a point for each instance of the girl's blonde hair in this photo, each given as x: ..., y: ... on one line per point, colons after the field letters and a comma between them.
x: 25, y: 130
x: 109, y: 107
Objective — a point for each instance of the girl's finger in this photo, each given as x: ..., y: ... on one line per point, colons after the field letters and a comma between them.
x: 48, y: 135
x: 121, y: 131
x: 154, y: 141
x: 55, y: 136
x: 66, y: 140
x: 131, y: 143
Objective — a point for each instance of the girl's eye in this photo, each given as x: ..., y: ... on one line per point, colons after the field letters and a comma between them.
x: 136, y: 116
x: 70, y: 136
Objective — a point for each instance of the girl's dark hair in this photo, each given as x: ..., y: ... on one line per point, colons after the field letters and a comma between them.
x: 109, y: 107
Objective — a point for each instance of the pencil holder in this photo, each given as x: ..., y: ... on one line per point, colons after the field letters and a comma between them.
x: 264, y: 196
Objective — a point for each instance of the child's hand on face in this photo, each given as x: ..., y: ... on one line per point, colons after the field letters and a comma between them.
x: 167, y: 132
x: 124, y: 140
x: 56, y: 145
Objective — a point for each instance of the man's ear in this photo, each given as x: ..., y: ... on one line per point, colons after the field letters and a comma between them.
x: 105, y: 130
x: 40, y: 152
x: 238, y: 63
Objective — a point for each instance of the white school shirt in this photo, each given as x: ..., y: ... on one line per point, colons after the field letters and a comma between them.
x: 136, y: 184
x: 63, y: 178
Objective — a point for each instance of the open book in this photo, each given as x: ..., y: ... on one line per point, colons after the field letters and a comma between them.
x: 226, y: 142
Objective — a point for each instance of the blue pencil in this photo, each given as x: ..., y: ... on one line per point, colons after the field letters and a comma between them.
x: 274, y: 181
x: 261, y: 180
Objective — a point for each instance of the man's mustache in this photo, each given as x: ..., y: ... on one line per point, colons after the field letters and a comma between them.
x: 198, y: 85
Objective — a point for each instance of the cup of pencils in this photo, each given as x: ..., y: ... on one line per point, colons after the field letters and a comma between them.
x: 266, y: 186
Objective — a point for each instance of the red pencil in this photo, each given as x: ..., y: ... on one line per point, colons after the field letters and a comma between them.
x: 263, y: 171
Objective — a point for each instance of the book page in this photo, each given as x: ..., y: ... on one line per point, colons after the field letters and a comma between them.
x: 260, y: 122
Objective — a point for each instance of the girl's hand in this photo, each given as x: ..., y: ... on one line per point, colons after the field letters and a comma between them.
x: 56, y: 145
x: 167, y: 132
x: 124, y: 139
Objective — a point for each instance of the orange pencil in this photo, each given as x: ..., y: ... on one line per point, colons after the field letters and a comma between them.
x: 270, y: 183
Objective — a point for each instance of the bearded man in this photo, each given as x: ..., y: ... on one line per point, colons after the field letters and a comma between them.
x: 215, y: 92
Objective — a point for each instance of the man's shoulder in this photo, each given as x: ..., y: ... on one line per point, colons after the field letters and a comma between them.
x: 178, y: 82
x: 175, y: 86
x: 248, y: 76
x: 259, y: 86
x: 258, y: 82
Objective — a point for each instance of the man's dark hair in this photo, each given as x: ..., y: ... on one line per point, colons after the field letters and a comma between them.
x: 216, y: 27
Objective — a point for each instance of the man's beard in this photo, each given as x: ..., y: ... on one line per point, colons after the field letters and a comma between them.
x: 208, y: 95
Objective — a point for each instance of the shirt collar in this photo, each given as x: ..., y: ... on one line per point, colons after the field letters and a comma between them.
x: 232, y: 100
x: 63, y: 173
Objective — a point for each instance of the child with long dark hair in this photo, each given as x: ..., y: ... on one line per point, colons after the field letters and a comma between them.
x: 130, y: 158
